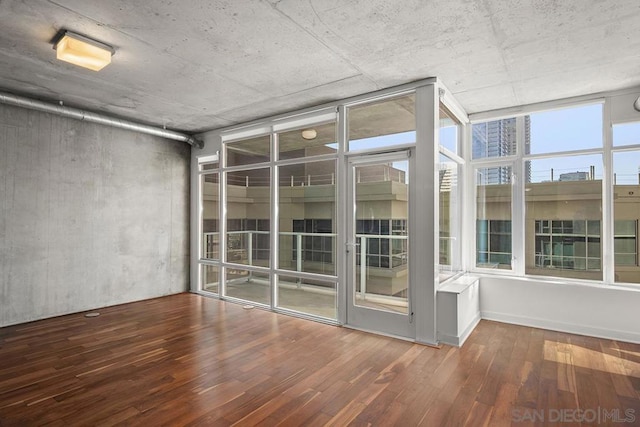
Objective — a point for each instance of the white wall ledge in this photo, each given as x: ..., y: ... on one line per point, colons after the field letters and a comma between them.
x: 557, y: 280
x: 593, y: 309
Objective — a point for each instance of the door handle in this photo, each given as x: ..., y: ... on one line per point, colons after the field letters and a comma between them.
x: 349, y: 244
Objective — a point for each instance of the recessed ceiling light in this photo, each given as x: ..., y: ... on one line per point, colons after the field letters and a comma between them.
x: 83, y: 51
x: 309, y: 134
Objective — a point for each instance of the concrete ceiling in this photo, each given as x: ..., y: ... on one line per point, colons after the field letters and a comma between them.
x: 205, y: 64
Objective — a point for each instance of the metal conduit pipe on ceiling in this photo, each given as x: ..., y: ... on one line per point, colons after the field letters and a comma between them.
x: 88, y: 116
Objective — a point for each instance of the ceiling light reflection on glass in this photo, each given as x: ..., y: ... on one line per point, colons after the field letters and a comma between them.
x: 309, y: 134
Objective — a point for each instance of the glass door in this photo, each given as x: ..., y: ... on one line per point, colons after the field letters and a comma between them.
x: 378, y: 282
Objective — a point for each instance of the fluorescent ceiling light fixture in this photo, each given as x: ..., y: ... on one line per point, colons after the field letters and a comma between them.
x: 83, y: 51
x: 309, y: 134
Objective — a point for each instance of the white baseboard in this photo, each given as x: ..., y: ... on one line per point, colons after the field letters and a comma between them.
x: 626, y: 336
x: 458, y: 341
x: 470, y: 328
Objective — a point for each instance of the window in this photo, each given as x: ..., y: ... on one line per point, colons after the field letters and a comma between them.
x: 307, y: 210
x: 496, y: 138
x: 626, y: 134
x: 208, y: 163
x: 567, y: 129
x: 248, y: 151
x: 562, y: 165
x: 247, y: 194
x: 313, y: 140
x: 626, y: 204
x: 248, y: 229
x: 209, y: 276
x: 247, y: 285
x: 493, y: 217
x: 210, y: 188
x: 448, y: 136
x: 382, y: 124
x: 563, y: 199
x: 449, y: 213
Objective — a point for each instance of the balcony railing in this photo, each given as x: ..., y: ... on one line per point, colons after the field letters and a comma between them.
x: 242, y: 250
x: 383, y: 174
x: 301, y: 262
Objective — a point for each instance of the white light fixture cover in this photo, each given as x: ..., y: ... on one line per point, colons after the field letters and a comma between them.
x: 83, y: 51
x: 309, y: 134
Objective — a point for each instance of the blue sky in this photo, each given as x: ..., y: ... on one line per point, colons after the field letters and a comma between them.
x: 552, y: 131
x: 579, y: 128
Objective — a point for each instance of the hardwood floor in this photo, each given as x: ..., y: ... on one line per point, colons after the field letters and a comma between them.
x: 191, y: 360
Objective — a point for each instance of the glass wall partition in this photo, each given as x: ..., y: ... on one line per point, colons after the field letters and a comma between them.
x: 248, y: 285
x: 210, y: 277
x: 277, y: 210
x: 307, y: 221
x: 307, y: 217
x: 382, y: 124
x: 297, y: 270
x: 210, y: 222
x: 209, y: 189
x: 247, y: 178
x: 248, y: 217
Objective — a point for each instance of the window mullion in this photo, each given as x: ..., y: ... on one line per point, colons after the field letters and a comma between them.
x: 607, y: 232
x: 274, y: 226
x: 518, y: 224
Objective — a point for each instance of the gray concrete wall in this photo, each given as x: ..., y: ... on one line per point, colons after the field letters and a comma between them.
x: 90, y: 216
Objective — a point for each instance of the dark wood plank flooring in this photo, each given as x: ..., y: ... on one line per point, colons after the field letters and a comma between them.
x: 191, y: 360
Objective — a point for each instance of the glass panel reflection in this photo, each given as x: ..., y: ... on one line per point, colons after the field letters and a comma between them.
x: 493, y: 221
x: 450, y: 220
x: 563, y: 198
x: 248, y: 151
x: 248, y: 217
x: 247, y: 285
x: 382, y: 249
x: 314, y: 297
x: 210, y: 216
x: 210, y: 278
x: 382, y: 124
x: 448, y: 130
x: 307, y: 215
x: 626, y: 211
x: 310, y: 141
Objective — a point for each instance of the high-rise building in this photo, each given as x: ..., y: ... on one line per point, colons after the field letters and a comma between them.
x: 498, y: 139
